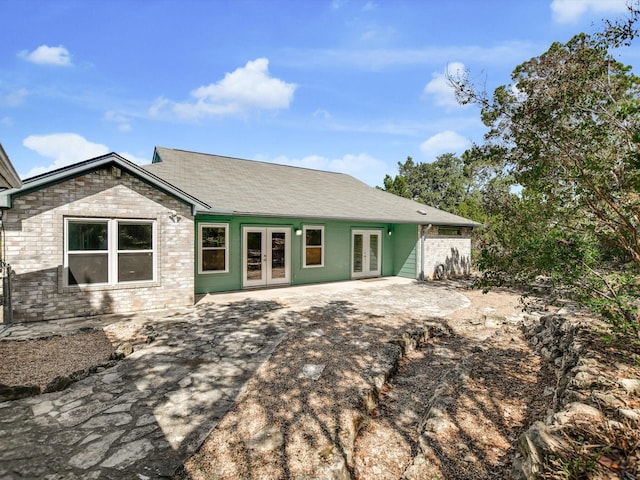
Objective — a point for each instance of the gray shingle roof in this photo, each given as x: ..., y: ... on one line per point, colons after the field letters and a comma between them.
x: 247, y: 187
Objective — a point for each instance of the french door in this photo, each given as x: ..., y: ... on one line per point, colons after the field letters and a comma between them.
x: 365, y: 253
x: 266, y: 258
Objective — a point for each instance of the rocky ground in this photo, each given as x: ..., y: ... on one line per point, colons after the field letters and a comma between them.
x: 454, y: 408
x: 384, y: 395
x: 457, y: 406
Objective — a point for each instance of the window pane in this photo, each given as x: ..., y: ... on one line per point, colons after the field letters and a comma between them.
x: 135, y: 236
x: 278, y: 255
x: 373, y: 252
x: 314, y: 237
x: 135, y: 267
x: 254, y: 255
x: 88, y: 268
x: 357, y: 253
x: 213, y: 236
x: 87, y: 236
x: 313, y: 256
x: 213, y: 260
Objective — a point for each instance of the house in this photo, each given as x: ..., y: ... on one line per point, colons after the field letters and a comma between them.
x: 8, y: 176
x: 108, y: 236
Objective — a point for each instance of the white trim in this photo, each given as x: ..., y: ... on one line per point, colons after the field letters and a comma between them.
x: 305, y: 246
x: 226, y: 247
x: 112, y: 252
x: 366, y: 247
x: 266, y: 254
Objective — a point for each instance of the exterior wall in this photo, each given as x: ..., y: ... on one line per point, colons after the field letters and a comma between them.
x: 337, y: 255
x: 34, y: 246
x: 405, y: 243
x: 453, y: 252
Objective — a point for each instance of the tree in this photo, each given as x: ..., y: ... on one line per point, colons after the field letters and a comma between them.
x: 568, y: 129
x: 440, y: 184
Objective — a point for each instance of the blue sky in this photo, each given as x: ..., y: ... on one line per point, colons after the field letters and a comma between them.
x: 353, y: 86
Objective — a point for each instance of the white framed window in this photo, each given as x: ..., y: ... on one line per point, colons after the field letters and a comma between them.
x: 313, y: 249
x: 109, y: 251
x: 213, y: 248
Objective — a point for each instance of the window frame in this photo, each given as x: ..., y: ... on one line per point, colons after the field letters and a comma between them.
x: 112, y: 251
x: 450, y: 231
x: 305, y: 246
x: 202, y: 225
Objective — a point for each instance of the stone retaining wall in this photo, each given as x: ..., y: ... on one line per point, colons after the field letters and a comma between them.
x: 586, y: 391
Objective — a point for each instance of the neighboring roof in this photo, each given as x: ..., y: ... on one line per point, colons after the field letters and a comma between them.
x: 8, y: 176
x: 247, y: 187
x: 77, y: 169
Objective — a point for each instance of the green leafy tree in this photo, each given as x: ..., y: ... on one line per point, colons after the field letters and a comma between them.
x: 567, y: 129
x: 440, y: 184
x: 396, y: 185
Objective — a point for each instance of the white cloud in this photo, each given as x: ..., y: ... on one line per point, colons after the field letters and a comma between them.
x: 322, y: 113
x: 375, y: 59
x: 63, y: 148
x: 17, y: 98
x: 46, y: 55
x: 443, y: 94
x: 123, y: 122
x: 362, y: 166
x: 444, y: 142
x: 246, y: 88
x: 369, y: 6
x: 6, y: 121
x: 567, y: 11
x: 66, y: 149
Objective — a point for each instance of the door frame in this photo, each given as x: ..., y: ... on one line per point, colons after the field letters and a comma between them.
x: 267, y: 257
x: 366, y: 247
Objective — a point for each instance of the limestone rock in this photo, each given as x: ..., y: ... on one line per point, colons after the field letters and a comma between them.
x: 16, y: 392
x: 312, y: 371
x: 535, y: 444
x: 59, y: 383
x: 631, y: 385
x: 578, y: 412
x: 124, y: 350
x: 266, y: 440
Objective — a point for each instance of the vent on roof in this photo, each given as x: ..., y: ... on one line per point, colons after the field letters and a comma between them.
x: 421, y: 212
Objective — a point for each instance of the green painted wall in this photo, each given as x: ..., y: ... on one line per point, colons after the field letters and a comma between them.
x: 337, y: 256
x: 404, y: 249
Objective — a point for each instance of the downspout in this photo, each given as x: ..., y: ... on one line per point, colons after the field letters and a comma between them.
x: 423, y: 236
x: 5, y: 268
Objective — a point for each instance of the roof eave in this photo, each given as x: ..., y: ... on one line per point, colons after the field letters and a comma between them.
x: 418, y: 221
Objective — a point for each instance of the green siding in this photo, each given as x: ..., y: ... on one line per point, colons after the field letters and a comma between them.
x: 405, y: 241
x: 337, y: 255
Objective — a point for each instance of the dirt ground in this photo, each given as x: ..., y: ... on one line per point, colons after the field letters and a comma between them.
x: 37, y: 362
x: 454, y: 408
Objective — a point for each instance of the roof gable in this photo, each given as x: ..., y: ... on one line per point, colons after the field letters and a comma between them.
x: 248, y: 187
x: 77, y: 169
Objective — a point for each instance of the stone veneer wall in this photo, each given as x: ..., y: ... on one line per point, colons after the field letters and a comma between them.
x: 454, y: 252
x: 34, y: 246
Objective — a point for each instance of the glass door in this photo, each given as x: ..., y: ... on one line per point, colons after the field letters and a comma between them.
x: 366, y: 247
x: 255, y: 257
x: 266, y: 256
